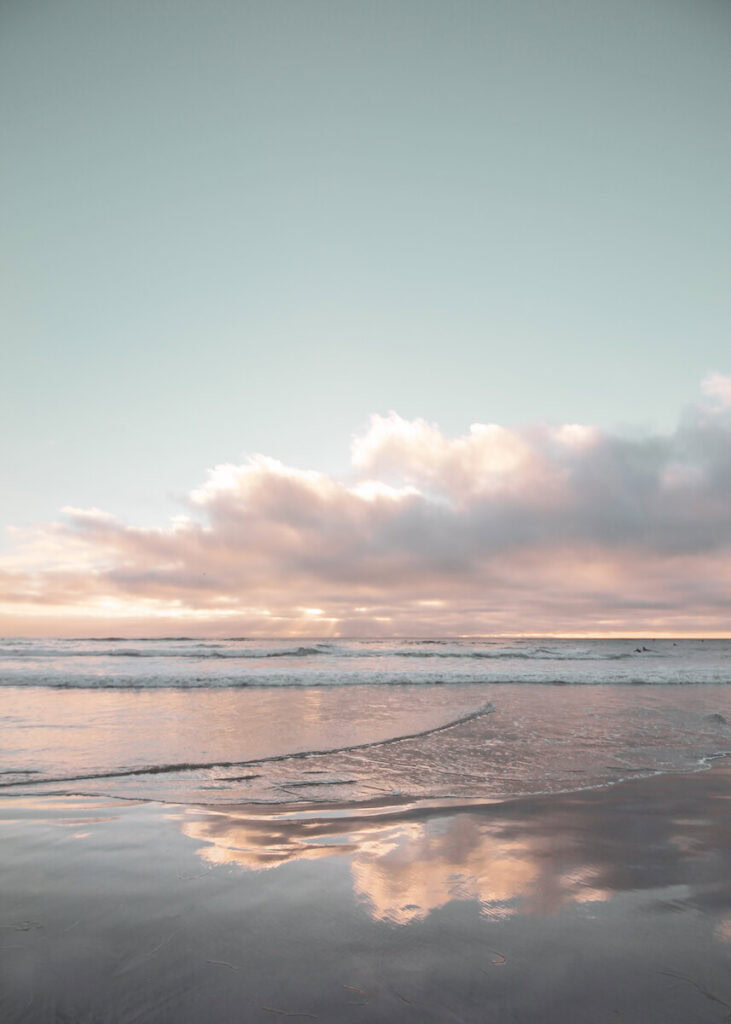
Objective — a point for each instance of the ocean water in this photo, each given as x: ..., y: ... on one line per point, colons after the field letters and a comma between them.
x: 182, y: 662
x: 344, y: 721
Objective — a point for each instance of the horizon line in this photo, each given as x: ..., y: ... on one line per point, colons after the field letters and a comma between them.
x: 395, y: 636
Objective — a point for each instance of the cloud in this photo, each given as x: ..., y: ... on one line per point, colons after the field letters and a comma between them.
x: 533, y: 529
x: 718, y: 386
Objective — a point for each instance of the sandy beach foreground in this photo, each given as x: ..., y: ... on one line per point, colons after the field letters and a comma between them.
x: 602, y: 905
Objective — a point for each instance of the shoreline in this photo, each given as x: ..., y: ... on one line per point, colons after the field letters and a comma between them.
x: 431, y: 805
x: 452, y: 743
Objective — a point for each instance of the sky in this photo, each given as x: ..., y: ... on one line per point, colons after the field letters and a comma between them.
x: 373, y: 258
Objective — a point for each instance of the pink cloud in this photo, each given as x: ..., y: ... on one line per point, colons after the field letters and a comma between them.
x: 538, y: 529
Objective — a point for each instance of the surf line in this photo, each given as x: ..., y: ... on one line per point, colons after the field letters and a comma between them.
x: 163, y: 769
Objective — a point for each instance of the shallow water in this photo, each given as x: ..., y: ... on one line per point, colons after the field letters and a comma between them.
x: 325, y: 744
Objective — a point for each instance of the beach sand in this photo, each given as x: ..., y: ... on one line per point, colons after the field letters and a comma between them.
x: 610, y: 904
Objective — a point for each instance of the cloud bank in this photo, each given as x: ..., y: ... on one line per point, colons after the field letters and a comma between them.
x: 539, y: 529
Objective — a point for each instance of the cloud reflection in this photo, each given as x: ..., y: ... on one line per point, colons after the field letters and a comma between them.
x: 527, y: 856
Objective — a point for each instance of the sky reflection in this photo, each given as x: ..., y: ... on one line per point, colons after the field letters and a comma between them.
x: 531, y: 856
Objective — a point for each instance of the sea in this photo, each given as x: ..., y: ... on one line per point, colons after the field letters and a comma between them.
x: 339, y: 721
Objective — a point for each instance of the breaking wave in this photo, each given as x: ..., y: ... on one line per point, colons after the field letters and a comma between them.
x: 179, y: 663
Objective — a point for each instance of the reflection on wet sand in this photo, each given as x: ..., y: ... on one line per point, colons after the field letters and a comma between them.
x: 602, y: 905
x: 423, y: 866
x: 529, y: 856
x: 401, y: 869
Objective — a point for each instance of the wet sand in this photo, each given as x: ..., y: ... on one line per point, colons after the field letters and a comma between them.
x: 603, y: 905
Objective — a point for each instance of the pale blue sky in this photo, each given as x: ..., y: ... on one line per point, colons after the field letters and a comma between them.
x: 232, y: 227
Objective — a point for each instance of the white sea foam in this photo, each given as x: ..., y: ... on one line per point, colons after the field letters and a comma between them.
x: 189, y: 663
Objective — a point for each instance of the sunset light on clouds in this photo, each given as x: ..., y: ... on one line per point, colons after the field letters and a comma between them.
x: 236, y: 241
x: 525, y: 530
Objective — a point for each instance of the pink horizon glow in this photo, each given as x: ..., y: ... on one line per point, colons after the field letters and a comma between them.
x: 538, y: 530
